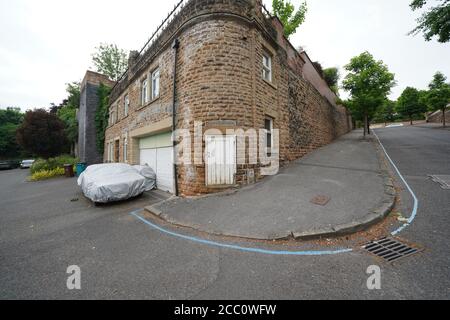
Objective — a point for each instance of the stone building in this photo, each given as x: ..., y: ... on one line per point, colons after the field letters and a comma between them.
x: 226, y: 65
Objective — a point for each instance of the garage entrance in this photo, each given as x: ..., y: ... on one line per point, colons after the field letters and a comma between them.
x: 157, y: 152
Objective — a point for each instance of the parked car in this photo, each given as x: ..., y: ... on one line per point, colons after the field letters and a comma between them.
x: 26, y: 164
x: 104, y: 183
x: 8, y: 164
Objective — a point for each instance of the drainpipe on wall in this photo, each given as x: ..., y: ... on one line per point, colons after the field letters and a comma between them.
x: 175, y: 46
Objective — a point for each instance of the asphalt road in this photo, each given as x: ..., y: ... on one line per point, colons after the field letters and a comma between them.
x: 42, y: 232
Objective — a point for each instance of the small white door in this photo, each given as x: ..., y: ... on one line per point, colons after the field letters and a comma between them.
x: 220, y: 160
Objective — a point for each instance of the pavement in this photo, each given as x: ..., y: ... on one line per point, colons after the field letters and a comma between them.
x: 42, y: 232
x: 347, y: 172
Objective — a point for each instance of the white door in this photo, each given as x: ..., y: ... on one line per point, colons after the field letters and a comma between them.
x: 220, y: 160
x: 161, y: 161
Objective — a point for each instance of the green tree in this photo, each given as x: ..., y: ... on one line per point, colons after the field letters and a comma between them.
x: 110, y: 60
x: 290, y: 18
x: 386, y: 113
x: 434, y: 22
x: 10, y: 119
x: 410, y: 104
x: 11, y: 115
x: 67, y: 112
x: 438, y: 97
x: 439, y: 81
x: 369, y: 82
x: 43, y: 134
x: 331, y: 77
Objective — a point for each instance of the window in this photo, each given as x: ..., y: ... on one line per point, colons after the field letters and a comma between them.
x: 267, y: 66
x: 268, y: 125
x: 155, y: 84
x: 126, y: 105
x: 112, y: 117
x: 117, y: 151
x: 125, y: 150
x: 110, y: 150
x: 144, y: 92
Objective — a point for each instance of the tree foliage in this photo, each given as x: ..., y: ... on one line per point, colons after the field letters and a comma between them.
x: 369, y: 82
x: 438, y: 82
x: 434, y: 22
x: 102, y: 116
x: 67, y: 112
x: 438, y: 97
x: 290, y: 18
x: 10, y: 119
x: 43, y: 134
x: 410, y: 104
x: 319, y: 68
x: 331, y: 77
x: 386, y: 113
x: 110, y: 60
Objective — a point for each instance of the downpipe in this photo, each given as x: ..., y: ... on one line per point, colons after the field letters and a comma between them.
x: 175, y: 46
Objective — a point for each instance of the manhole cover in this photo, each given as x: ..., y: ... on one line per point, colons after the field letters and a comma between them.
x: 321, y: 200
x: 390, y: 249
x: 443, y: 180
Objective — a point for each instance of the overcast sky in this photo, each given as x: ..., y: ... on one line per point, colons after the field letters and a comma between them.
x: 47, y: 43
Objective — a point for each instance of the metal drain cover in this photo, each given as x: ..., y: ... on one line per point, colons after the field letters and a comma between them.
x: 320, y: 200
x: 443, y: 180
x: 390, y: 249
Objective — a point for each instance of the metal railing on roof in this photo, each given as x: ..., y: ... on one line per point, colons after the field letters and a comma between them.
x: 266, y: 12
x: 161, y: 28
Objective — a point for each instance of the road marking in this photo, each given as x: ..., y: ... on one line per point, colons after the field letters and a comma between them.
x: 416, y: 201
x: 236, y: 247
x: 283, y: 253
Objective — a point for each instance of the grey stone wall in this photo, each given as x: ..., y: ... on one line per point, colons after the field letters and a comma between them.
x: 87, y: 148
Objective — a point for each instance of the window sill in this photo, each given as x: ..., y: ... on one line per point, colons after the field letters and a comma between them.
x: 270, y: 84
x: 148, y: 104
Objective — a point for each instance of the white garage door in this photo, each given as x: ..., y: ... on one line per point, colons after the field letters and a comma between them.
x: 160, y: 158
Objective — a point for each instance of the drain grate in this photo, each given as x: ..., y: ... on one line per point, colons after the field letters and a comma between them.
x: 443, y: 180
x: 320, y: 200
x: 390, y: 249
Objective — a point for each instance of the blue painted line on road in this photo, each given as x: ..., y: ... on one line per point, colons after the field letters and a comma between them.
x: 416, y: 201
x: 236, y: 247
x: 283, y: 252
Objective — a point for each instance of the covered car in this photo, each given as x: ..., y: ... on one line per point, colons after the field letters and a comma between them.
x: 104, y: 183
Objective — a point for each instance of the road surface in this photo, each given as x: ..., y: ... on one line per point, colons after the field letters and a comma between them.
x: 44, y: 230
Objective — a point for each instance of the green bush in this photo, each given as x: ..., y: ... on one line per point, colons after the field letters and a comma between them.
x: 52, y: 163
x: 47, y: 174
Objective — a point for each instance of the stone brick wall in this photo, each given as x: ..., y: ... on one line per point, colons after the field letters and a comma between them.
x: 437, y: 117
x: 219, y: 82
x: 311, y: 74
x: 313, y: 121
